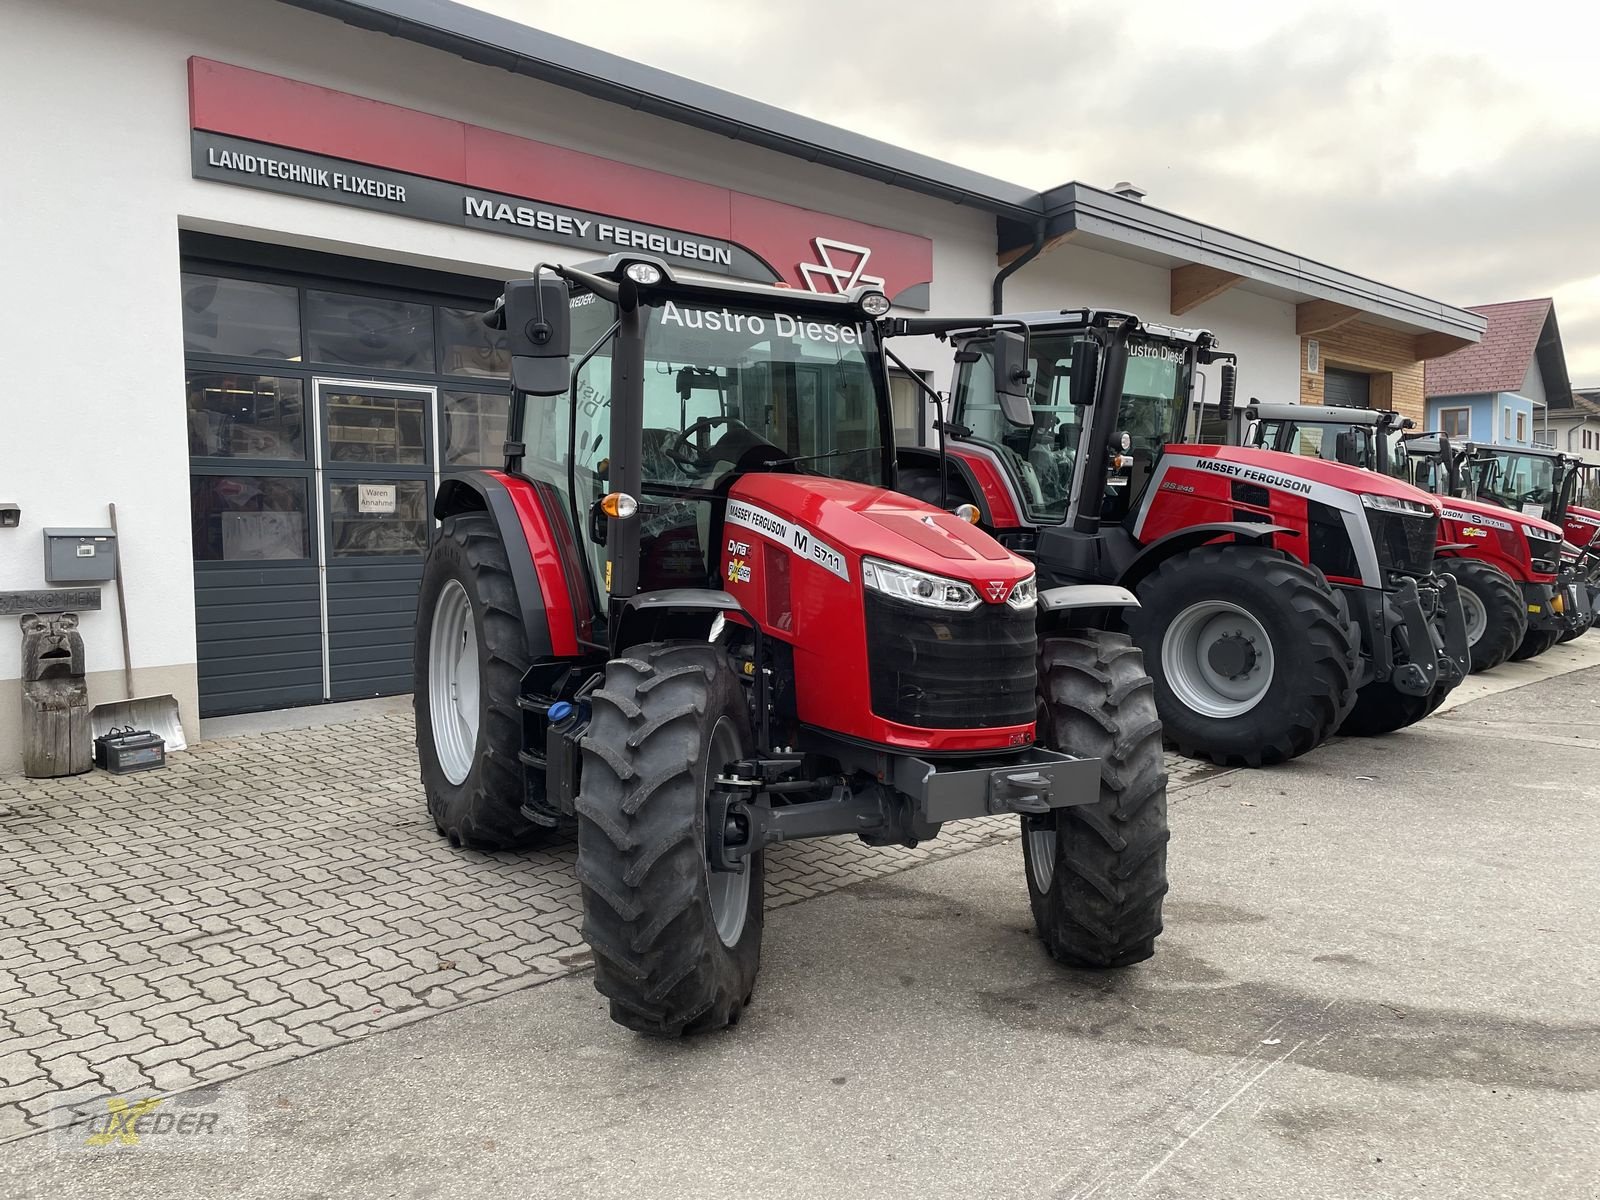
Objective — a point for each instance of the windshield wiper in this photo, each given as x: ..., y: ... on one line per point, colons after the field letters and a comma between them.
x: 800, y: 458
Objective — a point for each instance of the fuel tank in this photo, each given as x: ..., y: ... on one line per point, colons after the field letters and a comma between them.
x: 910, y: 628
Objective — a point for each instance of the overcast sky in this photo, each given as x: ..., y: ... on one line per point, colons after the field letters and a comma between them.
x: 1449, y: 148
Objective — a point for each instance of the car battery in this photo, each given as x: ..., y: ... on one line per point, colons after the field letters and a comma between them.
x: 122, y: 751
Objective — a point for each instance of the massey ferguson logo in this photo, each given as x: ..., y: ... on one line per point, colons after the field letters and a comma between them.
x: 998, y: 589
x: 840, y: 275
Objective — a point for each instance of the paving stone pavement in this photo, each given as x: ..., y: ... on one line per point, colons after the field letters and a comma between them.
x: 268, y: 896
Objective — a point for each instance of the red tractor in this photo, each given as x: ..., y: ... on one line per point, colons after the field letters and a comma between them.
x: 1281, y: 599
x: 1538, y: 486
x: 1504, y: 565
x: 693, y: 615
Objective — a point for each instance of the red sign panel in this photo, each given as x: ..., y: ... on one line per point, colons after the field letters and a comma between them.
x: 804, y: 248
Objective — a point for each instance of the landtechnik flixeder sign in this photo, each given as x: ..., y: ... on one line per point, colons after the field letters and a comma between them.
x: 257, y: 130
x: 298, y: 173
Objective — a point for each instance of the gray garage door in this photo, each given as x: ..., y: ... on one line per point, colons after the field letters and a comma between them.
x: 1346, y: 389
x: 321, y: 417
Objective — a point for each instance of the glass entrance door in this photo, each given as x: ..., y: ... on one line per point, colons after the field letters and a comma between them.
x: 376, y: 472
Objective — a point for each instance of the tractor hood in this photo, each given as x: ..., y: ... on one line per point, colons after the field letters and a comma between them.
x: 1481, y: 512
x: 1582, y: 524
x: 856, y: 520
x: 1239, y: 460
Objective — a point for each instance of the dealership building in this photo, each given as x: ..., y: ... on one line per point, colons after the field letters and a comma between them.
x: 273, y: 222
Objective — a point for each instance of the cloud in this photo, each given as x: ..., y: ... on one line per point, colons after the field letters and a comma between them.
x: 1459, y: 158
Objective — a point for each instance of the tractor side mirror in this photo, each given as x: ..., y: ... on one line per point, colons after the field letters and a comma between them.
x: 1011, y: 385
x: 538, y: 327
x: 1230, y: 384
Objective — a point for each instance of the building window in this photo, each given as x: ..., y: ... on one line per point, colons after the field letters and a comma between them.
x: 236, y: 318
x: 248, y: 518
x: 906, y: 402
x: 1455, y: 422
x: 366, y: 333
x: 470, y: 347
x: 473, y: 431
x: 1522, y: 427
x: 246, y: 416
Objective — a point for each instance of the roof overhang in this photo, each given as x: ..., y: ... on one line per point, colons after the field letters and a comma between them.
x: 493, y: 41
x: 1207, y: 261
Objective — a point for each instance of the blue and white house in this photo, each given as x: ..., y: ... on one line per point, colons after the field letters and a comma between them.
x: 1512, y: 388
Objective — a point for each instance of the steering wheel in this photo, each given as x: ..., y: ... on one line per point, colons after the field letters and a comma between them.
x: 685, y: 453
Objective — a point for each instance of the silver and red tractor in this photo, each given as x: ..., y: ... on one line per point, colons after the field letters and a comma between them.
x: 1281, y: 599
x: 692, y: 615
x: 1505, y: 565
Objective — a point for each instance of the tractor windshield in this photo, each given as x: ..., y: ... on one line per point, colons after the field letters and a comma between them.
x: 726, y: 390
x: 1041, y: 458
x: 1364, y: 446
x: 1525, y: 482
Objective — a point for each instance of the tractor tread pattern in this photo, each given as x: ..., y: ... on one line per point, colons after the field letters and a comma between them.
x: 485, y: 812
x: 641, y: 854
x: 1104, y: 906
x: 1323, y: 693
x: 1505, y: 609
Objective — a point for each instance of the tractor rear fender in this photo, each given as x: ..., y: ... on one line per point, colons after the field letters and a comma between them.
x: 538, y: 569
x: 1158, y: 551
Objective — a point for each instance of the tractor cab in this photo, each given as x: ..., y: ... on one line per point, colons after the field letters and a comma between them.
x: 1371, y: 439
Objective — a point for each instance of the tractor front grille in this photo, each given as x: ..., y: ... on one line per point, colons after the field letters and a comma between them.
x: 1404, y: 542
x: 950, y: 670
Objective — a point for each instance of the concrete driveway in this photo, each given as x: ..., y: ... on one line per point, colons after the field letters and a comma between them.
x: 1379, y: 979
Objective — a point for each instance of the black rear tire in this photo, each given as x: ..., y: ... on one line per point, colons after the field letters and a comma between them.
x: 647, y: 909
x: 1534, y: 643
x: 1097, y: 872
x: 1312, y: 640
x: 484, y: 810
x: 1505, y: 612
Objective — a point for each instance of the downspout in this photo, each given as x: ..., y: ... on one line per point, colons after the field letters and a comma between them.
x: 997, y: 297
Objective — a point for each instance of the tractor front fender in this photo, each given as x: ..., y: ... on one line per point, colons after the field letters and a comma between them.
x: 1182, y: 540
x: 1084, y: 605
x: 673, y: 613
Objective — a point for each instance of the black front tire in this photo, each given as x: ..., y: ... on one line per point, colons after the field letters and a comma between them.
x: 1313, y: 644
x: 647, y: 909
x: 1534, y: 643
x: 1505, y: 610
x: 1097, y: 872
x: 484, y: 810
x: 1380, y: 709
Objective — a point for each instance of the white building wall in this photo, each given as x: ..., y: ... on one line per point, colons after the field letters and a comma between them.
x: 1533, y: 383
x: 97, y: 187
x: 1259, y: 329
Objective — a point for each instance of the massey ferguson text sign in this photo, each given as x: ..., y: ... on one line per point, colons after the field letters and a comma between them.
x: 253, y: 129
x: 297, y: 173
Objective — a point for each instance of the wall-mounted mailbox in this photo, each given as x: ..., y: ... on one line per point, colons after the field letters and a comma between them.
x: 79, y: 555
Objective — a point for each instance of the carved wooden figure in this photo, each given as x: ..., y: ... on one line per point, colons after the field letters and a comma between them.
x: 55, y: 697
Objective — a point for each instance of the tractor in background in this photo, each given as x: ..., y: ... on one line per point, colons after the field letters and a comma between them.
x: 1281, y: 599
x: 1538, y: 485
x: 691, y: 614
x: 1504, y: 565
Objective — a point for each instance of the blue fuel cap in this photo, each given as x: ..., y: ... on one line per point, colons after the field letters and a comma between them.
x: 560, y: 711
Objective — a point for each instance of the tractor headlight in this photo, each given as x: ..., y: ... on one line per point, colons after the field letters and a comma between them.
x: 1540, y: 535
x: 1026, y: 594
x: 1408, y: 508
x: 918, y: 587
x: 875, y: 304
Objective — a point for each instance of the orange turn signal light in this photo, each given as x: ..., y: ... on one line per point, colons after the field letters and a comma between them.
x: 619, y: 505
x: 968, y: 513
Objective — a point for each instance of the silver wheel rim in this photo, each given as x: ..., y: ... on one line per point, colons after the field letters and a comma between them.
x: 1186, y: 659
x: 729, y: 891
x: 1473, y: 611
x: 1042, y: 856
x: 453, y: 684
